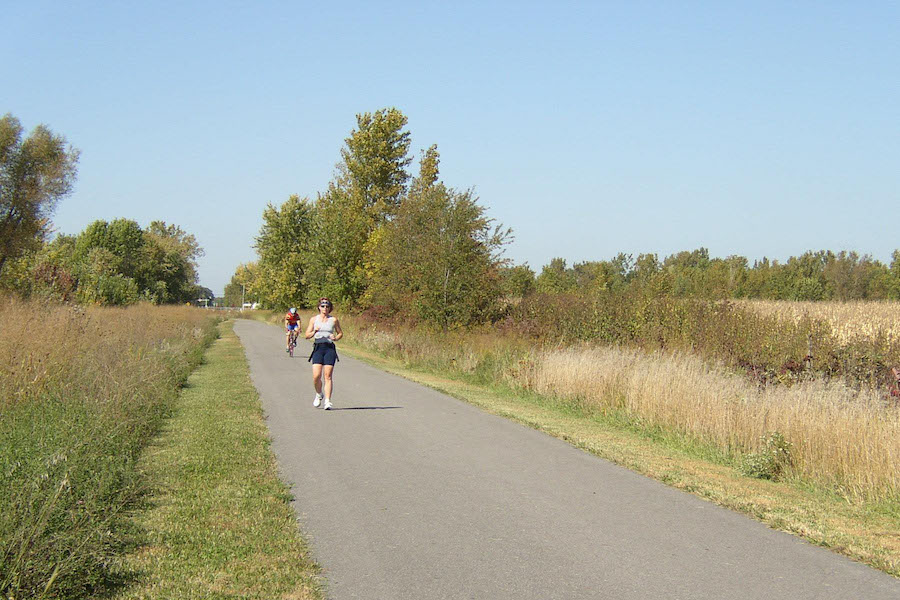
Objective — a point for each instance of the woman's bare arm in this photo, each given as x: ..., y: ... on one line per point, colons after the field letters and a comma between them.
x: 310, y: 329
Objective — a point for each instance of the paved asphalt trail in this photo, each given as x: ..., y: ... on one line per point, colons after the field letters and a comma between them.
x: 406, y: 493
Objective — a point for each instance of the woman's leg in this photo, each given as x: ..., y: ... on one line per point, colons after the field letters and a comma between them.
x: 317, y: 378
x: 329, y: 385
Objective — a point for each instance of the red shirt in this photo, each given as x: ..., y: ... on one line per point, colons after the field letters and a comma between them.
x: 292, y: 319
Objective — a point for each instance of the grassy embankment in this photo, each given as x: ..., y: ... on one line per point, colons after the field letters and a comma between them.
x: 82, y: 391
x: 219, y: 524
x: 77, y: 412
x: 688, y: 421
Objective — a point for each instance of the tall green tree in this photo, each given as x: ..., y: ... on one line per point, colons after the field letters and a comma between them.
x: 892, y: 278
x: 366, y: 192
x: 242, y: 287
x: 516, y: 281
x: 117, y: 262
x: 108, y: 250
x: 171, y: 257
x: 556, y: 278
x: 440, y: 255
x: 35, y: 173
x: 283, y: 246
x: 342, y: 228
x: 375, y: 157
x: 429, y: 170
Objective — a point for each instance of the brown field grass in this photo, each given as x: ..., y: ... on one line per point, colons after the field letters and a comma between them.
x: 82, y: 390
x: 849, y: 321
x: 72, y: 351
x: 843, y: 438
x: 864, y: 531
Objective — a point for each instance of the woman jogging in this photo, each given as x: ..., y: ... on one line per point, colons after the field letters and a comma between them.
x: 325, y: 330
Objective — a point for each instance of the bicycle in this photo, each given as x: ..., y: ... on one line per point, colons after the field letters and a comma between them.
x: 293, y: 342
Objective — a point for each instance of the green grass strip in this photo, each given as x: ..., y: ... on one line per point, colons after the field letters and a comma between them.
x: 218, y: 522
x: 865, y: 532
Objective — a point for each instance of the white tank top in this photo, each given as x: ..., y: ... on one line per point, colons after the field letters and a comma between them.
x: 325, y: 329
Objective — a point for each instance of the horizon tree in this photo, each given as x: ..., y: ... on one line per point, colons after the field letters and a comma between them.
x: 283, y: 246
x: 365, y: 193
x: 35, y: 174
x: 375, y: 157
x: 440, y: 254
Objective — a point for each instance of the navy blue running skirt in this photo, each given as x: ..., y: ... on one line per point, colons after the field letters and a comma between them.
x: 324, y: 353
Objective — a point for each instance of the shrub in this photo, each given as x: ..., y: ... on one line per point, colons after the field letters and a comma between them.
x: 763, y: 344
x: 772, y: 461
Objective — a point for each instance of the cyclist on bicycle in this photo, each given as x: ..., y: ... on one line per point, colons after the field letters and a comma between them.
x: 292, y: 325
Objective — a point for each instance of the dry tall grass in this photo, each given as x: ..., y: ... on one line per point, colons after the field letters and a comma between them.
x: 82, y: 390
x: 68, y: 351
x: 844, y: 439
x: 849, y: 321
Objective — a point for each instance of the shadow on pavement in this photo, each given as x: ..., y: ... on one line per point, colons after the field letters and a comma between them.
x: 364, y: 407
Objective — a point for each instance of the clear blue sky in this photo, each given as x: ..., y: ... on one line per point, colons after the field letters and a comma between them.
x: 590, y: 128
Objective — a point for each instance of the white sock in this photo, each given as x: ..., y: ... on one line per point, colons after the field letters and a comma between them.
x: 319, y: 395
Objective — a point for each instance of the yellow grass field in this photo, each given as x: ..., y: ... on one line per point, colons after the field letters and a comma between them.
x: 841, y: 437
x: 850, y: 321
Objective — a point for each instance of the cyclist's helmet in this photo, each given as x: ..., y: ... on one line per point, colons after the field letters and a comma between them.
x: 293, y: 311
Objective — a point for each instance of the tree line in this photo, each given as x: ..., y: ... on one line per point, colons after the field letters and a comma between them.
x: 814, y: 275
x: 382, y: 239
x: 115, y: 263
x: 379, y: 237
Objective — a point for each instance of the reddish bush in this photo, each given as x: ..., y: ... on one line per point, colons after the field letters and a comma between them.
x: 54, y: 281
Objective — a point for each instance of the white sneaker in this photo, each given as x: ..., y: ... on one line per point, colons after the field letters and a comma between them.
x: 327, y: 404
x: 317, y: 401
